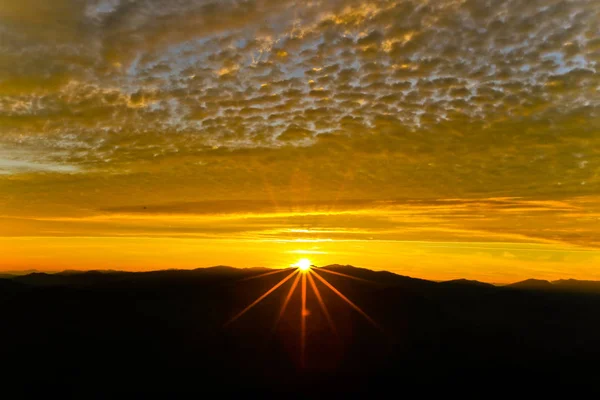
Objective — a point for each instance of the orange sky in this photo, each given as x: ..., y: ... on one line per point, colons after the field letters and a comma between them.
x: 440, y: 139
x: 425, y: 240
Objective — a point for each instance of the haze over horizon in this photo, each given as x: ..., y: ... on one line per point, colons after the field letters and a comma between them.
x: 438, y: 139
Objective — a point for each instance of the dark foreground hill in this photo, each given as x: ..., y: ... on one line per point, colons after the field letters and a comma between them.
x: 120, y: 334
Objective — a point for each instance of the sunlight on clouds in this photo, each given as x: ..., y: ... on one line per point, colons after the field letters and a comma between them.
x: 16, y: 162
x: 426, y: 260
x: 426, y: 238
x: 307, y: 252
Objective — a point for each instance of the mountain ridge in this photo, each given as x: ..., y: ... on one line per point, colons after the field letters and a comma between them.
x: 384, y: 277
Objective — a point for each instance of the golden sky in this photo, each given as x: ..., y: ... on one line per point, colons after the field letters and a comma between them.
x: 437, y: 139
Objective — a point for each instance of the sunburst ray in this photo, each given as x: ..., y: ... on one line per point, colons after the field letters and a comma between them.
x: 347, y: 300
x: 321, y: 303
x: 261, y: 298
x: 345, y: 275
x: 303, y: 314
x: 264, y: 274
x: 287, y: 300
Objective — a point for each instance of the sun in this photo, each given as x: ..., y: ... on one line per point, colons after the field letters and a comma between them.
x: 304, y: 264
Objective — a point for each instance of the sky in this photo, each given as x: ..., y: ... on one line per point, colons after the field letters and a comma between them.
x: 439, y: 139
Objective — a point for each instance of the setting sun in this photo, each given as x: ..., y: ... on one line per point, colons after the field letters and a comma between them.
x: 304, y: 264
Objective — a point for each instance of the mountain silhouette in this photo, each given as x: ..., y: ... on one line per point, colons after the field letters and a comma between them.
x: 466, y: 283
x: 577, y: 285
x: 170, y: 333
x: 381, y: 277
x: 11, y: 274
x: 536, y: 284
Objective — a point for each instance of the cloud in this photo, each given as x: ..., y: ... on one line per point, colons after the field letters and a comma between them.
x: 8, y: 166
x: 12, y: 162
x: 294, y: 133
x: 329, y: 101
x: 568, y: 225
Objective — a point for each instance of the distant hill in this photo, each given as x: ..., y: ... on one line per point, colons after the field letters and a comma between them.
x: 562, y: 285
x: 536, y: 284
x: 175, y: 276
x: 381, y: 277
x: 577, y: 285
x: 466, y: 283
x: 10, y: 274
x: 224, y: 272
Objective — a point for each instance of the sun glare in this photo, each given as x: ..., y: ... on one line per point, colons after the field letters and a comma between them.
x: 303, y: 274
x: 304, y: 264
